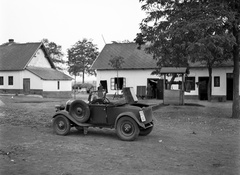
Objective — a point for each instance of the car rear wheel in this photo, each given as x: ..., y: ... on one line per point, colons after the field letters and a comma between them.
x: 144, y: 132
x: 79, y: 110
x: 61, y: 125
x: 127, y: 129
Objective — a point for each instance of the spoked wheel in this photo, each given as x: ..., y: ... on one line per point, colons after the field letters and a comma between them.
x: 61, y: 125
x: 79, y: 110
x: 127, y: 129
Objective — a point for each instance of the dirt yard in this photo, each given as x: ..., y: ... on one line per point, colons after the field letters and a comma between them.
x: 195, y: 139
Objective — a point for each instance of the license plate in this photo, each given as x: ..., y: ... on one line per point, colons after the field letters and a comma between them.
x: 142, y: 116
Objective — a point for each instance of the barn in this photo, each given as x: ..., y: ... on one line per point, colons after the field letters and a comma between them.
x: 26, y: 68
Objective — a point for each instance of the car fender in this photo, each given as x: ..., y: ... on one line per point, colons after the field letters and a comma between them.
x: 67, y: 115
x: 129, y: 114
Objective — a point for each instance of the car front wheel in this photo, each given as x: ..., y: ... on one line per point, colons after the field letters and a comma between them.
x: 127, y: 129
x: 61, y: 125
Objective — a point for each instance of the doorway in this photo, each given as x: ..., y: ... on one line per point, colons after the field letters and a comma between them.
x: 155, y: 86
x: 104, y: 85
x: 203, y: 88
x: 26, y: 85
x: 229, y: 86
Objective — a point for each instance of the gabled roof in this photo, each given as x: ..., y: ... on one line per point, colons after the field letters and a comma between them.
x: 14, y: 56
x: 133, y: 57
x: 48, y: 73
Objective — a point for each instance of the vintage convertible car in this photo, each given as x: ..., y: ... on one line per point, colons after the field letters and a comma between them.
x: 128, y: 117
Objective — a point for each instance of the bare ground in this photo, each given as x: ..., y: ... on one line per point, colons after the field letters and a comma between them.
x: 198, y: 138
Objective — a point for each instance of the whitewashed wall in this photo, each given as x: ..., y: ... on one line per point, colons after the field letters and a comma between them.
x: 39, y: 60
x: 53, y: 85
x: 18, y: 76
x: 134, y: 78
x: 16, y: 80
x: 35, y: 81
x: 203, y: 72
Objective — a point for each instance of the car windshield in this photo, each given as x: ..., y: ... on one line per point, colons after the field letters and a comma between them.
x: 99, y: 97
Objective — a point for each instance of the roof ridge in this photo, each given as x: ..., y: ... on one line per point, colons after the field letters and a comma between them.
x: 115, y: 42
x: 16, y: 43
x: 35, y: 67
x: 28, y: 43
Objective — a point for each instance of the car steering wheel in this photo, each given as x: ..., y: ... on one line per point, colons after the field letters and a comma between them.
x: 101, y: 101
x: 106, y: 101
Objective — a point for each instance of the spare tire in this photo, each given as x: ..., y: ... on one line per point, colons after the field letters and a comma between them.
x: 79, y: 110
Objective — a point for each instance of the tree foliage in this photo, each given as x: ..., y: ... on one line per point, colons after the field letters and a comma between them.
x: 116, y: 62
x: 81, y: 56
x: 55, y: 53
x: 185, y: 31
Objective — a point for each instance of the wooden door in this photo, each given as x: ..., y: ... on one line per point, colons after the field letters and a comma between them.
x: 26, y: 85
x: 160, y: 89
x: 203, y: 88
x: 229, y: 86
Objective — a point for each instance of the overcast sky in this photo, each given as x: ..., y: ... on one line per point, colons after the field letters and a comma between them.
x: 67, y: 21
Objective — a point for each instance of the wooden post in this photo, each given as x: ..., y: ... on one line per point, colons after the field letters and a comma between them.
x: 164, y: 80
x: 183, y: 88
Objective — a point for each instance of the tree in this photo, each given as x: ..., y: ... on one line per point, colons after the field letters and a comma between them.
x: 55, y: 53
x: 232, y: 23
x: 80, y: 58
x: 186, y: 31
x: 116, y: 62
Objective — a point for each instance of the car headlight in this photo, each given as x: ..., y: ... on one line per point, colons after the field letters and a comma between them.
x: 142, y: 116
x: 59, y: 107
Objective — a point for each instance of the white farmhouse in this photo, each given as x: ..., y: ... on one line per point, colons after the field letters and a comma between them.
x: 138, y: 66
x: 27, y: 69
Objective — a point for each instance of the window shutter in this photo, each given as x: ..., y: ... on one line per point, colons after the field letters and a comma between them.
x: 124, y: 82
x: 112, y: 84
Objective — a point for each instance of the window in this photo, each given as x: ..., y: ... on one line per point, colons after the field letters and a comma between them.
x: 217, y: 81
x: 190, y: 81
x: 1, y: 81
x: 118, y: 83
x: 10, y: 80
x: 58, y: 85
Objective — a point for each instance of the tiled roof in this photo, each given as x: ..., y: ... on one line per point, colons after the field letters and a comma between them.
x: 180, y: 70
x: 48, y: 73
x: 14, y: 56
x: 228, y: 63
x: 133, y: 57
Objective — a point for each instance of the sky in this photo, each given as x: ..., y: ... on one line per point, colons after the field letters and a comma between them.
x: 67, y: 21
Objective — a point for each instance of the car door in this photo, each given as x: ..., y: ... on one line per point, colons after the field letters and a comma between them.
x: 98, y: 113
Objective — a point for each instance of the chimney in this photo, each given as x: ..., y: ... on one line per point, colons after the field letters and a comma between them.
x: 11, y: 40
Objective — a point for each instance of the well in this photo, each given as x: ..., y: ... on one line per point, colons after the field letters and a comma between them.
x: 173, y: 96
